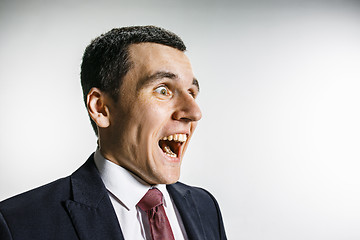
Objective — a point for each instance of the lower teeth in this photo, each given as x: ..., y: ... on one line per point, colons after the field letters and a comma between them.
x: 169, y: 152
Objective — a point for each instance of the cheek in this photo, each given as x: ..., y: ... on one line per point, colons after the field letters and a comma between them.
x: 144, y: 125
x: 155, y: 115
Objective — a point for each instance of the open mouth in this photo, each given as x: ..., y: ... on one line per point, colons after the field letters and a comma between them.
x: 171, y: 145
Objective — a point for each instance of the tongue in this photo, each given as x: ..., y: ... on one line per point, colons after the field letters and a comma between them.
x: 174, y: 146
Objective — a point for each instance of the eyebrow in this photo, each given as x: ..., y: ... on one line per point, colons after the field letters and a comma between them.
x: 163, y: 74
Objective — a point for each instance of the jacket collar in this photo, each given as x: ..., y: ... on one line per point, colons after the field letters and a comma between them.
x: 186, y: 206
x: 91, y: 210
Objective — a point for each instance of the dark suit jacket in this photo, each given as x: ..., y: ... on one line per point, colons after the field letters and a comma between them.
x: 78, y: 207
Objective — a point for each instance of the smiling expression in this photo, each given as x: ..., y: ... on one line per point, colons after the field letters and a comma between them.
x: 155, y: 116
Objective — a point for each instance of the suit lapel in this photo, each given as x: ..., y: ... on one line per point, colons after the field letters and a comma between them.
x: 188, y: 211
x: 91, y: 210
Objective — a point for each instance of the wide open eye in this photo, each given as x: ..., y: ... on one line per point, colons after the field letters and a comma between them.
x: 162, y: 90
x: 193, y: 93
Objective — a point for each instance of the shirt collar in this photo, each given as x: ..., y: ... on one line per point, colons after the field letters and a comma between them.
x: 124, y: 185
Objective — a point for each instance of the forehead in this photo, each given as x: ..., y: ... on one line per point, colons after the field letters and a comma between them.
x: 140, y: 51
x: 149, y: 58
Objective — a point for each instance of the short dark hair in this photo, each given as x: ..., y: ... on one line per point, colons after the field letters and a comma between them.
x: 106, y: 59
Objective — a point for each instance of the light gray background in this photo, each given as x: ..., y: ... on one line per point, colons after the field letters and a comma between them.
x: 278, y: 144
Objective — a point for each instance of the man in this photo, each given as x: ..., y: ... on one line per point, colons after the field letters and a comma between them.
x: 140, y: 94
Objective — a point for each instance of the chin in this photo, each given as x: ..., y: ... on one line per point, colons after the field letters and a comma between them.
x: 171, y: 181
x: 167, y: 178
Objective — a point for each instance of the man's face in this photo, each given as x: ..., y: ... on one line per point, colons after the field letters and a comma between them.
x: 155, y: 115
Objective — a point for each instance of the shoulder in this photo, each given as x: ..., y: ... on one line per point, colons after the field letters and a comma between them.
x: 203, y: 199
x: 51, y: 193
x: 38, y: 198
x: 196, y: 192
x: 42, y: 212
x: 37, y: 212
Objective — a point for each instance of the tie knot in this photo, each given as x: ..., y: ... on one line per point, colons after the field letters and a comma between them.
x: 151, y: 199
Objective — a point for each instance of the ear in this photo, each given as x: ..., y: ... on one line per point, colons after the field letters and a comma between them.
x: 97, y: 108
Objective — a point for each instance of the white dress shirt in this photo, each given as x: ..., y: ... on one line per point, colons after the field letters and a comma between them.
x: 125, y: 191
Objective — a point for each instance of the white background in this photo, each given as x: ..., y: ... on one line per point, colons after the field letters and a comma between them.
x: 278, y: 144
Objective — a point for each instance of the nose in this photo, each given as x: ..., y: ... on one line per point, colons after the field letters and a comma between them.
x: 187, y: 109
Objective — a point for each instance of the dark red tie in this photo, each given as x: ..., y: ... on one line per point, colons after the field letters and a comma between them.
x: 152, y: 204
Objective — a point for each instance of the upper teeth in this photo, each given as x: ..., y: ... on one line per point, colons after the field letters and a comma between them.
x: 178, y: 137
